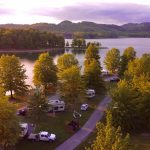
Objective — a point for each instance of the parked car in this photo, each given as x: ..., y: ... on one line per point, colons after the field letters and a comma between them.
x: 114, y: 79
x: 90, y: 93
x: 84, y: 106
x: 24, y: 129
x: 42, y: 136
x: 22, y: 111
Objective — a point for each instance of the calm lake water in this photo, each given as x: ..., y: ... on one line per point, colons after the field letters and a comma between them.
x: 141, y: 45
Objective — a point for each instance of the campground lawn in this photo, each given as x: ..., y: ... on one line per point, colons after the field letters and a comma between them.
x: 57, y: 124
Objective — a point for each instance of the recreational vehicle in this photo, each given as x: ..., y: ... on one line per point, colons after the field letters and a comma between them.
x: 56, y: 105
x: 90, y: 93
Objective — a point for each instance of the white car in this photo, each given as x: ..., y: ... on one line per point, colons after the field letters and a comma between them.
x: 42, y: 136
x: 24, y: 129
x: 84, y: 106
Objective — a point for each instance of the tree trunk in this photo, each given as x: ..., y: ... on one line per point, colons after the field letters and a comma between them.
x: 11, y: 94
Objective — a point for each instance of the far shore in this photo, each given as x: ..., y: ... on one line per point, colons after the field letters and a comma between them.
x: 28, y: 50
x: 35, y: 50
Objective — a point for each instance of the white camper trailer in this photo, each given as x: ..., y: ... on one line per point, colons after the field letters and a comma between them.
x: 56, y: 105
x: 90, y: 93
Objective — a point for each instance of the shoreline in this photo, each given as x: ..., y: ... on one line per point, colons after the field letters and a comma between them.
x: 30, y: 50
x: 38, y: 50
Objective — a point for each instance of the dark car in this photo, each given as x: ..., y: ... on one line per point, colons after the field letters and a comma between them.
x: 115, y: 79
x: 22, y: 111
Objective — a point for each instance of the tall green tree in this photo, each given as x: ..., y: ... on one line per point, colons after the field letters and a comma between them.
x: 38, y: 107
x: 112, y: 60
x: 44, y: 71
x: 138, y: 67
x: 66, y: 61
x: 123, y: 106
x: 91, y: 53
x: 12, y: 75
x: 9, y: 124
x: 71, y: 86
x: 128, y: 55
x: 92, y: 74
x: 92, y: 68
x: 110, y: 138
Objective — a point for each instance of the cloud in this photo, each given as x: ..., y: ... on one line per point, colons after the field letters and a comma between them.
x: 5, y: 11
x: 101, y: 12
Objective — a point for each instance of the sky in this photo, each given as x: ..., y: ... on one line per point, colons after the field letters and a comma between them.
x: 54, y: 11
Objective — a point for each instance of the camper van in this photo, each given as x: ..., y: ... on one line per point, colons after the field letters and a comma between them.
x: 90, y: 93
x: 56, y: 105
x: 24, y: 129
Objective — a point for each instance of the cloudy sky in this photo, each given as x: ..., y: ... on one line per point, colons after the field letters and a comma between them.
x: 54, y: 11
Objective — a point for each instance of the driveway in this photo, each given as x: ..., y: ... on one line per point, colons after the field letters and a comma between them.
x: 88, y: 127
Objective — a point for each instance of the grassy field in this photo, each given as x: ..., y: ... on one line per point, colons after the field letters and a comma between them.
x: 57, y: 125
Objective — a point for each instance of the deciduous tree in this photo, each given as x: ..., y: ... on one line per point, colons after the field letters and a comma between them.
x: 71, y: 85
x: 110, y: 138
x: 92, y: 76
x: 44, y: 71
x: 128, y: 55
x: 12, y: 75
x: 112, y: 60
x: 9, y: 124
x: 66, y: 61
x: 91, y: 53
x: 38, y: 107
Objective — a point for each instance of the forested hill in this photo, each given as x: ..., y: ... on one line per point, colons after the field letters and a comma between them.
x: 89, y: 29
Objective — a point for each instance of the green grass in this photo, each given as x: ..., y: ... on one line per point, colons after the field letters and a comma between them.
x: 87, y: 143
x: 57, y: 125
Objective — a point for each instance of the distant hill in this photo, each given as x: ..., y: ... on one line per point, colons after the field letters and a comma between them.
x: 89, y: 29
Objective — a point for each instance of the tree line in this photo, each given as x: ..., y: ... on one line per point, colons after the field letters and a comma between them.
x: 131, y: 98
x: 29, y: 39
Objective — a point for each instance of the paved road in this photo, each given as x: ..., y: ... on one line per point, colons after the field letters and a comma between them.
x: 85, y: 131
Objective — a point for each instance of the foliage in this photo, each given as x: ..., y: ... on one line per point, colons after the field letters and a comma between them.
x: 79, y: 43
x: 29, y: 39
x: 87, y: 30
x: 12, y: 74
x: 110, y: 138
x: 38, y: 107
x: 44, y: 71
x: 138, y: 67
x: 71, y: 85
x: 92, y: 74
x: 92, y: 67
x: 128, y: 55
x: 123, y: 107
x: 95, y: 43
x: 66, y: 61
x: 91, y: 53
x: 112, y: 60
x: 131, y: 98
x: 9, y: 124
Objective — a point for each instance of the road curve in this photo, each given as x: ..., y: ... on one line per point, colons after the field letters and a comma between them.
x: 88, y: 127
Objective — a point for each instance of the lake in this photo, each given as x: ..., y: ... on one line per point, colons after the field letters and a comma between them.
x: 141, y: 45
